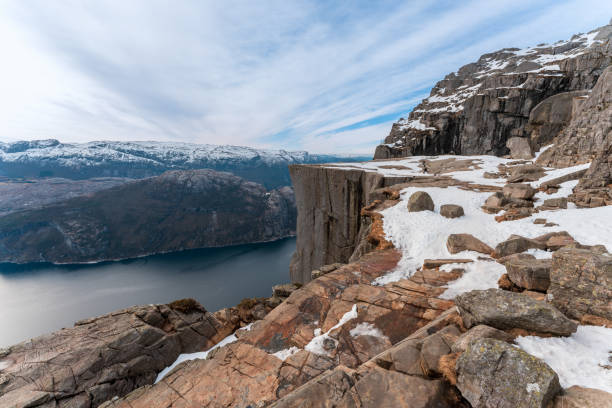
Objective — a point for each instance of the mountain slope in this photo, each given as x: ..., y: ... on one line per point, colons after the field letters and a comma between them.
x: 478, y: 108
x: 175, y: 211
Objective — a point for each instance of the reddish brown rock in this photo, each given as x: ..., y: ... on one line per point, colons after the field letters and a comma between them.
x: 519, y: 191
x: 532, y: 274
x: 581, y: 397
x: 451, y: 211
x: 466, y: 242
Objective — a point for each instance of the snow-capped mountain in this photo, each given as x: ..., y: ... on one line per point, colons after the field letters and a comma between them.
x: 143, y: 159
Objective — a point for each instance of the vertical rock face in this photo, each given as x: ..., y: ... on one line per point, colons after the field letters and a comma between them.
x: 478, y: 108
x: 329, y: 202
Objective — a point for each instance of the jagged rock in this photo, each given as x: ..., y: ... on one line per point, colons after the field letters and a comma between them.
x: 106, y: 356
x: 589, y: 132
x: 519, y: 191
x: 519, y: 148
x: 516, y: 244
x: 451, y: 211
x: 479, y: 332
x: 326, y: 391
x: 581, y: 397
x: 555, y: 203
x: 508, y: 310
x: 284, y: 290
x: 581, y: 282
x: 374, y: 390
x: 532, y: 274
x: 466, y: 242
x: 420, y: 201
x: 492, y: 373
x: 559, y: 241
x: 496, y: 200
x: 477, y: 108
x: 525, y: 172
x: 435, y: 346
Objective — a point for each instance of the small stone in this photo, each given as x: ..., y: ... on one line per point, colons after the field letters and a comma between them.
x: 539, y: 221
x: 420, y: 201
x: 451, y: 211
x: 560, y: 203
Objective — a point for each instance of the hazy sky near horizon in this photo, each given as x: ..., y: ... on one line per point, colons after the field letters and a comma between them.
x: 300, y: 75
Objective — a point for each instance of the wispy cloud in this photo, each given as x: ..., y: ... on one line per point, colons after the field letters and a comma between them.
x: 322, y: 76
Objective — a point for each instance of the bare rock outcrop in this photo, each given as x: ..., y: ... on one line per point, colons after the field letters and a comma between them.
x: 104, y: 357
x: 581, y: 283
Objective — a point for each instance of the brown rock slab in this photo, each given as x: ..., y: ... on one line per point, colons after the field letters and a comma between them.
x: 519, y: 191
x: 436, y: 263
x: 451, y: 211
x: 106, y: 356
x: 479, y: 332
x: 581, y: 397
x: 531, y: 274
x: 516, y: 244
x: 466, y: 242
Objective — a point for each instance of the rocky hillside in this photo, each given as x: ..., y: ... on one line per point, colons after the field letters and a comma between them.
x: 50, y: 158
x: 175, y: 211
x: 507, y: 93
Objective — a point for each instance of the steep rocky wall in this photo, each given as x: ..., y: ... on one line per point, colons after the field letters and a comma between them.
x: 478, y: 108
x: 329, y: 203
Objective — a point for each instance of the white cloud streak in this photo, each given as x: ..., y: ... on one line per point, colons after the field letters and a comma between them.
x: 299, y: 75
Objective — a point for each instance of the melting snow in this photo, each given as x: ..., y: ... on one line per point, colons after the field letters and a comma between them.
x: 581, y: 359
x: 316, y: 344
x: 286, y: 353
x: 200, y: 355
x: 367, y: 329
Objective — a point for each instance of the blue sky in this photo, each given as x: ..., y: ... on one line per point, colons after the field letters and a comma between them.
x: 300, y: 75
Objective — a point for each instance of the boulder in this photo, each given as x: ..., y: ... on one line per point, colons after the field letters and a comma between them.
x: 581, y: 282
x: 406, y: 358
x: 479, y: 332
x: 525, y: 172
x: 509, y: 310
x: 539, y: 221
x: 555, y: 203
x: 284, y: 290
x: 580, y: 397
x: 516, y: 244
x: 557, y: 242
x: 466, y: 242
x: 451, y: 211
x: 532, y: 274
x: 518, y: 190
x: 492, y: 373
x: 420, y: 201
x: 519, y: 148
x: 497, y: 199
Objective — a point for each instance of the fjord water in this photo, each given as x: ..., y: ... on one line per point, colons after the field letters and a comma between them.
x: 40, y: 298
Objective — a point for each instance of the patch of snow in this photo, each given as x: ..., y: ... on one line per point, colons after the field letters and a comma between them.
x: 367, y: 329
x: 316, y: 344
x: 539, y: 253
x: 579, y: 359
x: 415, y: 124
x: 565, y: 189
x: 542, y: 150
x: 286, y: 353
x: 533, y: 387
x: 554, y: 173
x: 199, y: 355
x: 4, y: 364
x: 478, y: 275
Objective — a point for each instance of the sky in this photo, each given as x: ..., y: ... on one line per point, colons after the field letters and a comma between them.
x: 322, y: 76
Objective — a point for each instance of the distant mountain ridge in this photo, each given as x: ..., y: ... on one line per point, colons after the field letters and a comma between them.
x: 51, y: 158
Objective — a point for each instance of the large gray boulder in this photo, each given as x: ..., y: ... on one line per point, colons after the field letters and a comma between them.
x: 509, y: 310
x: 519, y: 148
x: 519, y: 191
x: 581, y: 282
x: 494, y: 374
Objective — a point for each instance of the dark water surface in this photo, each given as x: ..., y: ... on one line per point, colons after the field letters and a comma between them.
x: 40, y: 298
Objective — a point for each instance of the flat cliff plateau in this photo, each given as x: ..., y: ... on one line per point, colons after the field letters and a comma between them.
x: 176, y: 211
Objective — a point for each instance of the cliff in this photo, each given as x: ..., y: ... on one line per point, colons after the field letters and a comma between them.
x: 175, y: 211
x: 476, y: 109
